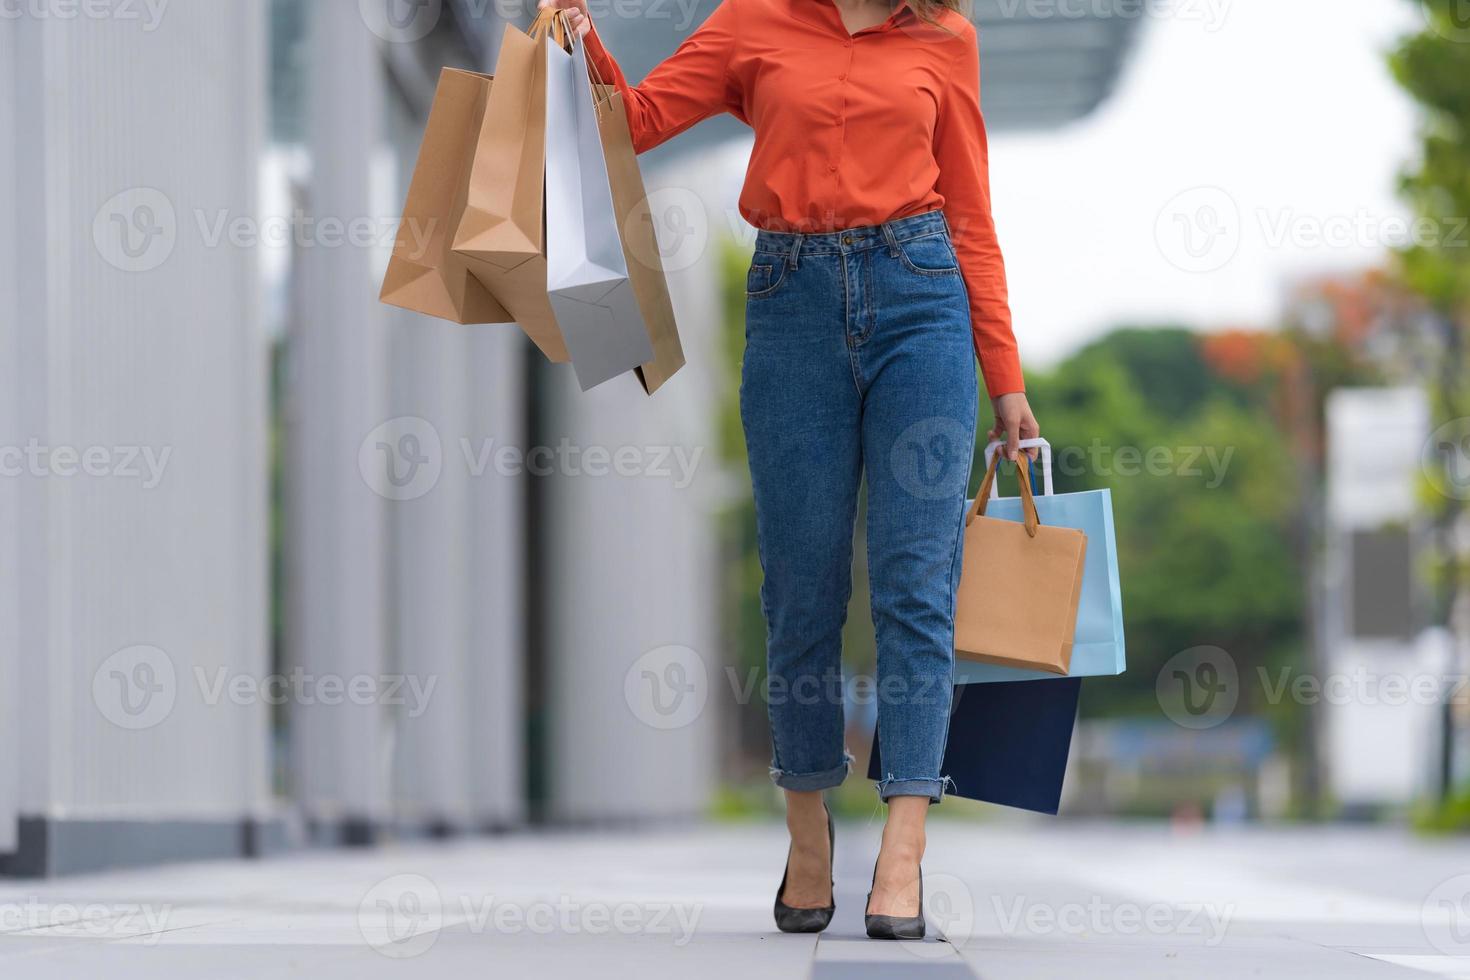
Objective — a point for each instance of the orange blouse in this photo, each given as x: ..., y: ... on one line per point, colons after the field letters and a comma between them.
x: 850, y: 129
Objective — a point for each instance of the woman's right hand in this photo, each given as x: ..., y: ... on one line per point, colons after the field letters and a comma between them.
x: 578, y: 19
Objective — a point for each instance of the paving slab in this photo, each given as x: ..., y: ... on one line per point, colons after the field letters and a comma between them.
x: 1005, y: 901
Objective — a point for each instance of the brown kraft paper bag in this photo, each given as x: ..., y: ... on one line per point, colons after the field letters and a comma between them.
x: 424, y: 274
x: 1019, y: 585
x: 640, y: 243
x: 501, y: 233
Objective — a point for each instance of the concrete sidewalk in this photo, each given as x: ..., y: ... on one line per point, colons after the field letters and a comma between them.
x: 1039, y: 900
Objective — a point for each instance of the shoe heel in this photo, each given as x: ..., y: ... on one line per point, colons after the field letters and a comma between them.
x: 789, y: 919
x: 895, y: 926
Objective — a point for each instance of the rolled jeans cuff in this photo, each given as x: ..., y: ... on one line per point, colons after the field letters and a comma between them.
x: 808, y: 781
x: 932, y: 788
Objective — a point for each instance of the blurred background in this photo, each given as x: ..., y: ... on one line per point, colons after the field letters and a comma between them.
x: 280, y: 565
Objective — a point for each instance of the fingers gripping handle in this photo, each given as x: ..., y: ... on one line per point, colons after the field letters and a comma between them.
x: 554, y: 21
x: 992, y: 449
x: 550, y: 19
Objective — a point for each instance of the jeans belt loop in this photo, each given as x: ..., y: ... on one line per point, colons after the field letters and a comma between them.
x: 796, y: 251
x: 893, y: 248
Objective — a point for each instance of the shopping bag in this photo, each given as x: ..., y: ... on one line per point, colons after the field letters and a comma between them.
x: 500, y: 232
x: 424, y: 273
x: 640, y: 242
x: 1019, y: 584
x: 1008, y: 742
x: 1098, y: 648
x: 586, y: 272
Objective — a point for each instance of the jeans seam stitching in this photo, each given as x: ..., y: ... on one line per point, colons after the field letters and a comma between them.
x: 847, y: 341
x: 954, y: 565
x: 868, y: 301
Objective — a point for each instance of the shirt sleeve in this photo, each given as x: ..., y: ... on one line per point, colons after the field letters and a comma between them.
x: 962, y: 152
x: 692, y: 84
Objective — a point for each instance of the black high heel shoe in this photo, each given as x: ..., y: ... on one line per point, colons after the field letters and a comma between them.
x: 895, y: 926
x: 789, y: 919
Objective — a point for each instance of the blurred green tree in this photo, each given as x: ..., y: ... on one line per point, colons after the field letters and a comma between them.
x: 1203, y: 500
x: 1433, y: 66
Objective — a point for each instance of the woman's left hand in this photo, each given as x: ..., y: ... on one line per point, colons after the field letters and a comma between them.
x: 1013, y: 422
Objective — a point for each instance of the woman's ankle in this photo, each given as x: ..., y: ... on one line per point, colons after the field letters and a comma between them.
x: 805, y: 810
x: 904, y: 834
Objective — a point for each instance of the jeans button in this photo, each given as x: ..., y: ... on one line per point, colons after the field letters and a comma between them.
x: 847, y: 239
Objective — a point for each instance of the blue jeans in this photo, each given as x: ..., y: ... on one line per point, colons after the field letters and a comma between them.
x: 859, y: 362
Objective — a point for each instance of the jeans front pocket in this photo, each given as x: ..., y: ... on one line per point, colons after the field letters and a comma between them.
x: 767, y: 272
x: 930, y: 255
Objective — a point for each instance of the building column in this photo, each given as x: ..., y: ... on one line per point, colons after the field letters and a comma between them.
x: 140, y: 379
x: 497, y: 570
x: 631, y: 618
x: 336, y: 579
x: 9, y: 444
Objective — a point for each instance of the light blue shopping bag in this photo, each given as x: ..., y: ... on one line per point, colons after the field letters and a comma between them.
x: 1097, y: 646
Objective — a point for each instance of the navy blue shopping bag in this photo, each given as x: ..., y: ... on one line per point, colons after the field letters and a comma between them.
x: 1008, y: 742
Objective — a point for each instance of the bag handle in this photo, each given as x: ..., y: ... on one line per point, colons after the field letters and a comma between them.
x: 1031, y: 519
x: 600, y: 100
x: 550, y: 20
x: 1045, y: 454
x: 553, y: 19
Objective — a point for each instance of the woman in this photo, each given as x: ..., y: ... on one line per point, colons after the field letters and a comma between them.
x: 876, y: 268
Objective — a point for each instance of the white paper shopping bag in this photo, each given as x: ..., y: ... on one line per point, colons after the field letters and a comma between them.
x: 587, y: 276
